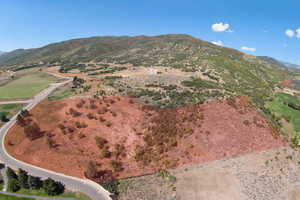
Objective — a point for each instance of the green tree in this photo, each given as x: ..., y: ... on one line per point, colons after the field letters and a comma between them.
x: 23, y: 179
x: 11, y: 174
x: 35, y: 183
x: 52, y: 187
x: 13, y: 185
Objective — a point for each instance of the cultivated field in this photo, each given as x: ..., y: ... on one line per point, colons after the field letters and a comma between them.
x: 26, y: 86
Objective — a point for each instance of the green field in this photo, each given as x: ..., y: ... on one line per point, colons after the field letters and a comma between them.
x: 281, y: 107
x: 66, y: 194
x: 7, y: 197
x: 26, y: 86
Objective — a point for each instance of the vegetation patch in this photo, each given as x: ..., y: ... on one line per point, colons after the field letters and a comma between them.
x: 26, y: 86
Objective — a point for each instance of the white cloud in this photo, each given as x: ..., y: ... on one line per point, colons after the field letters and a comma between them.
x: 298, y: 33
x: 221, y: 27
x: 290, y: 33
x: 249, y: 49
x: 219, y: 43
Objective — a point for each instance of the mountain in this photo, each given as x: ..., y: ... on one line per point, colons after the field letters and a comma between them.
x: 228, y: 69
x: 273, y: 61
x: 291, y: 65
x: 2, y: 52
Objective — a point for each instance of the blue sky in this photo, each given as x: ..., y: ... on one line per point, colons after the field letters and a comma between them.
x: 256, y: 24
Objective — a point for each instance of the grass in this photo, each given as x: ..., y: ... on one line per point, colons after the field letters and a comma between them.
x: 8, y: 197
x: 26, y: 86
x: 9, y: 110
x: 287, y: 107
x: 287, y: 98
x: 291, y: 115
x: 67, y: 194
x: 59, y: 94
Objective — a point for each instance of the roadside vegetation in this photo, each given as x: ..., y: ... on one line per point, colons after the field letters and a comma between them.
x: 23, y: 183
x: 8, y: 110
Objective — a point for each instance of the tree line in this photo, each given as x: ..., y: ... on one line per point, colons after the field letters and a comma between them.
x: 21, y: 180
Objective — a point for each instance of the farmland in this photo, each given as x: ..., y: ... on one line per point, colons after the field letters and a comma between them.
x: 25, y: 86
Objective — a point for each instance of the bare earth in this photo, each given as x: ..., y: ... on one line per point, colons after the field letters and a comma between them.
x: 217, y: 130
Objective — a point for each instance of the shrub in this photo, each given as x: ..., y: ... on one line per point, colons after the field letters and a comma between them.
x: 100, y: 142
x: 51, y: 143
x: 33, y: 131
x: 112, y: 186
x: 116, y: 165
x: 119, y: 150
x: 91, y: 170
x: 74, y: 112
x: 81, y: 135
x: 105, y: 153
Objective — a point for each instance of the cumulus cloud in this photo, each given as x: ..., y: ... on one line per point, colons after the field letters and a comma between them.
x: 219, y: 43
x: 248, y: 49
x: 221, y: 27
x: 290, y: 33
x: 298, y: 33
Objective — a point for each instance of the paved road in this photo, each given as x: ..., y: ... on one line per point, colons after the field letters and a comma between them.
x: 34, y: 197
x: 16, y: 102
x: 88, y: 187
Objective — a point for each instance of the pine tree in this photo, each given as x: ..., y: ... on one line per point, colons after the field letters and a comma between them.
x: 35, y: 183
x: 11, y: 174
x: 23, y: 179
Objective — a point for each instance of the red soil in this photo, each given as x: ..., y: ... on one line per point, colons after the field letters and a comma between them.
x: 207, y: 132
x: 286, y: 83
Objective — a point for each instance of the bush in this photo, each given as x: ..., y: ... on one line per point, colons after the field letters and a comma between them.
x: 105, y: 153
x: 100, y: 142
x: 91, y: 170
x: 33, y: 131
x: 112, y: 187
x: 116, y: 165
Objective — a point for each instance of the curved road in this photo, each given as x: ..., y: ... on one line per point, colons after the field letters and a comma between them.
x: 88, y: 187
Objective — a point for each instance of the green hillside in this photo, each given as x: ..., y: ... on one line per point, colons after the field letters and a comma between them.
x: 229, y: 69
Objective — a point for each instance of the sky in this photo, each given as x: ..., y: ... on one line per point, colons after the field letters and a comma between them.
x: 258, y: 27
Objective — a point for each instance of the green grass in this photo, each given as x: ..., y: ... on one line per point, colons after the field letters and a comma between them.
x: 293, y: 116
x: 26, y: 86
x: 8, y: 197
x: 59, y: 94
x: 9, y: 110
x: 67, y: 194
x: 287, y: 98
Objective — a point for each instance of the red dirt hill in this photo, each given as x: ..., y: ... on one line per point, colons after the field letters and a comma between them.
x: 116, y: 137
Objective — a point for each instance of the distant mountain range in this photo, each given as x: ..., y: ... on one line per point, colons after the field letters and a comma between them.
x: 291, y: 65
x: 279, y: 63
x: 2, y: 52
